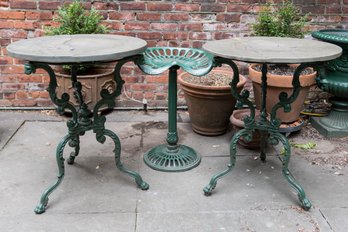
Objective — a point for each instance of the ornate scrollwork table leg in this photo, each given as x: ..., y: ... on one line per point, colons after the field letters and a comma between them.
x: 82, y: 120
x: 138, y: 180
x: 276, y: 137
x: 233, y: 150
x: 41, y: 207
x: 75, y: 143
x: 268, y: 129
x: 246, y: 133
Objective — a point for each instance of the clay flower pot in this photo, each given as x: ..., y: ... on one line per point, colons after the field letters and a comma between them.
x: 92, y: 84
x: 236, y: 120
x: 209, y: 106
x: 277, y: 84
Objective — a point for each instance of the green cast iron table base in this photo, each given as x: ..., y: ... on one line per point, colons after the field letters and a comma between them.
x: 83, y: 120
x: 268, y: 129
x: 173, y: 157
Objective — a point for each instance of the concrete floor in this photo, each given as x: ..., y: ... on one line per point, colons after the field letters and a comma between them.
x: 95, y: 196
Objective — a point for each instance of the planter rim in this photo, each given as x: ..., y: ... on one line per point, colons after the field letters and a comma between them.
x: 242, y: 81
x: 238, y: 114
x: 305, y: 80
x: 103, y: 72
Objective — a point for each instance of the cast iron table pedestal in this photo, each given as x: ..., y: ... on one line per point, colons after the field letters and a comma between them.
x: 75, y: 50
x: 268, y: 50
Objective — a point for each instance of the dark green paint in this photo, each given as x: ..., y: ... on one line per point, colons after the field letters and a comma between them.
x: 268, y: 129
x: 333, y: 78
x: 174, y: 157
x: 82, y: 120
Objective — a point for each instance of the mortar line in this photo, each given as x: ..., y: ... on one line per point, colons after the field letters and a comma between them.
x: 142, y: 135
x: 45, y: 120
x: 322, y: 214
x: 15, y: 132
x: 136, y: 216
x: 137, y: 194
x: 179, y: 118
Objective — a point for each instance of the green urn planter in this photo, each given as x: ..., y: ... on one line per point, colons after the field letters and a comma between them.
x: 333, y: 78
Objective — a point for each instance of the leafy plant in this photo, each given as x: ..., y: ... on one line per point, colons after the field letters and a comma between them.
x: 74, y: 19
x: 304, y: 146
x: 283, y: 21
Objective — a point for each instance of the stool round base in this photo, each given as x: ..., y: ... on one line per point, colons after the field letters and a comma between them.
x: 172, y: 159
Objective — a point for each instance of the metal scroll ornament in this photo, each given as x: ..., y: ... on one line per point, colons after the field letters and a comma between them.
x: 83, y: 120
x: 268, y: 129
x: 340, y: 64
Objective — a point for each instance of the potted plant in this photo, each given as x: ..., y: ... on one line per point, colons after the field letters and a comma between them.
x: 237, y: 122
x: 73, y: 19
x: 282, y: 21
x: 209, y: 100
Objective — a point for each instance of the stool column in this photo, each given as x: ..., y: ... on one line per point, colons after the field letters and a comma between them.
x: 172, y: 135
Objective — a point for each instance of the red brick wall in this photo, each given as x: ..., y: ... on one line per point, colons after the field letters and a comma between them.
x: 186, y: 23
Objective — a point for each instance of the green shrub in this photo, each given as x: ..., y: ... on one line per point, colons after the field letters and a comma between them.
x: 283, y: 21
x: 74, y: 19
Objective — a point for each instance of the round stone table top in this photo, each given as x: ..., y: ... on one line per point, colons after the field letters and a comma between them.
x: 76, y: 48
x: 273, y: 50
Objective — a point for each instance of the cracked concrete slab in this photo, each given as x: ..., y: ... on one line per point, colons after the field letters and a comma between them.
x: 239, y: 220
x: 11, y: 121
x: 204, y: 145
x: 250, y: 185
x: 337, y: 218
x: 28, y: 166
x: 107, y: 221
x: 96, y: 196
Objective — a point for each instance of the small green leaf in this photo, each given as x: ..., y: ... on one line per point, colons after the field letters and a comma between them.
x: 305, y: 146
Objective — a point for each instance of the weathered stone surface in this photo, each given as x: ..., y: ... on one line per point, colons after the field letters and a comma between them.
x: 95, y: 196
x: 76, y: 48
x: 273, y: 50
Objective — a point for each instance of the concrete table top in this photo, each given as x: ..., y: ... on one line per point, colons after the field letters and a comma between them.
x: 76, y: 48
x: 273, y: 50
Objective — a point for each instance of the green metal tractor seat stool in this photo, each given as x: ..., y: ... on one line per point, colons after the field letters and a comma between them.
x: 174, y: 157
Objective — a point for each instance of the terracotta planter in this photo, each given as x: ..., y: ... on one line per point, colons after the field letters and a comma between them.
x: 236, y: 120
x: 209, y: 106
x: 277, y: 84
x: 91, y: 85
